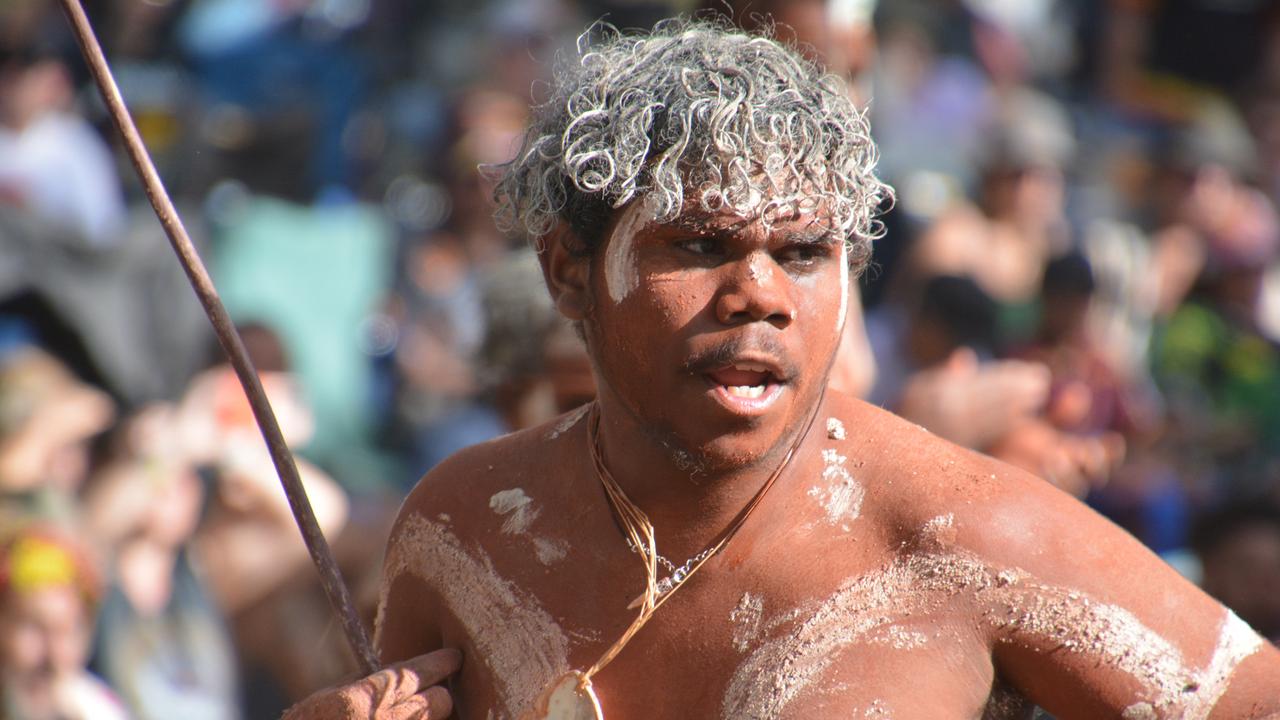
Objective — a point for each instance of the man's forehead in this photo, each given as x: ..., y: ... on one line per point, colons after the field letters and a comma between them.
x: 811, y: 227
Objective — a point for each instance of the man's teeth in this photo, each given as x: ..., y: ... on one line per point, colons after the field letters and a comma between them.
x: 746, y: 391
x: 750, y: 367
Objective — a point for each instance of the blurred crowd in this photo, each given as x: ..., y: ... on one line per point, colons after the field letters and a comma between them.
x: 1080, y: 275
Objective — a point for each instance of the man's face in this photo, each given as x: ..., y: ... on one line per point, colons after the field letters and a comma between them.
x: 715, y: 332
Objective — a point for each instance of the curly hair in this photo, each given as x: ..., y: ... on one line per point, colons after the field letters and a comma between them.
x: 737, y: 121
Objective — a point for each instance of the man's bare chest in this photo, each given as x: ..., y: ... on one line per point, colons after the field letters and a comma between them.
x: 735, y: 642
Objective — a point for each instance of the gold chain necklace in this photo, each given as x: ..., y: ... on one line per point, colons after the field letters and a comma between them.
x: 571, y: 696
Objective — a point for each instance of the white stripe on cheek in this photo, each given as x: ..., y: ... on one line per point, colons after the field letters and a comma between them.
x: 621, y: 276
x: 844, y: 288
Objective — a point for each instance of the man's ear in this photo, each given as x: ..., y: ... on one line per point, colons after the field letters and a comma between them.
x: 567, y: 273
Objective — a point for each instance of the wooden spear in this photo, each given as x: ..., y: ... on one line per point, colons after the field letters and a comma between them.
x: 232, y: 345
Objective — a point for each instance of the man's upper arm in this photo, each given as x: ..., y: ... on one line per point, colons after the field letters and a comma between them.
x: 408, y: 622
x: 1089, y: 623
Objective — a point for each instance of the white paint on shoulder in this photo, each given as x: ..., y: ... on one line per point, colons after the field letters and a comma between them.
x: 520, y: 644
x: 621, y: 275
x: 835, y: 429
x: 839, y: 493
x: 566, y: 423
x: 550, y: 551
x: 518, y: 508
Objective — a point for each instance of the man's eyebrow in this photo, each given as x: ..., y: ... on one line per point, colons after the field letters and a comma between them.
x: 697, y: 225
x: 811, y: 236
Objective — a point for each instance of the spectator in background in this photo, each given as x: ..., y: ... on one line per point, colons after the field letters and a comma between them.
x: 941, y: 373
x: 47, y: 419
x: 48, y: 592
x: 1239, y: 551
x: 199, y: 534
x: 52, y: 162
x: 534, y: 366
x: 1218, y: 368
x: 161, y: 641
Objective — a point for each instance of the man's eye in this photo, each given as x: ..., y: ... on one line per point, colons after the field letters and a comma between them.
x: 701, y: 246
x: 803, y: 255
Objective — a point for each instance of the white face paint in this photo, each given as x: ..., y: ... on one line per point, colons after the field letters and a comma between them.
x: 621, y: 276
x: 844, y: 288
x: 758, y: 271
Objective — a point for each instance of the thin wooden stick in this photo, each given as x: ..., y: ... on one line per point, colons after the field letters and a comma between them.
x: 232, y: 345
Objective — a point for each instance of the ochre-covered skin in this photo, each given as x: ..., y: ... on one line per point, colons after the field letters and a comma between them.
x: 887, y: 574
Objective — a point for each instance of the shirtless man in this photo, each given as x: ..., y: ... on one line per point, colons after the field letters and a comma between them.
x: 699, y: 198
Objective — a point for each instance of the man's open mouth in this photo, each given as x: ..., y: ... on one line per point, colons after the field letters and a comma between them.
x: 745, y: 386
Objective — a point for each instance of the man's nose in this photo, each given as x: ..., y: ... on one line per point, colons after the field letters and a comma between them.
x: 755, y: 290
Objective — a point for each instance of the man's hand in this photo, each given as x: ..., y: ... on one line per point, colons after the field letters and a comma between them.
x: 404, y: 691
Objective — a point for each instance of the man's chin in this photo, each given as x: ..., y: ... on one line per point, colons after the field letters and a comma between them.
x: 727, y: 452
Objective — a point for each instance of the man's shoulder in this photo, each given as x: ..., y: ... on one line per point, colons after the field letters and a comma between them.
x: 470, y: 479
x: 918, y: 482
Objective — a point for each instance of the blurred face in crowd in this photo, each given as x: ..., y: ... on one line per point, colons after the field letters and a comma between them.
x: 44, y: 640
x: 1243, y: 571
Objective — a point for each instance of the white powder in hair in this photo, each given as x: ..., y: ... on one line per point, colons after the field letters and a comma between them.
x: 518, y: 509
x: 521, y: 646
x: 835, y: 429
x: 746, y: 621
x: 566, y: 423
x: 621, y: 276
x: 840, y: 495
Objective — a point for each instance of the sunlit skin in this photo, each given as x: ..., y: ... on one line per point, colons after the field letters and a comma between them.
x: 691, y: 457
x: 724, y: 301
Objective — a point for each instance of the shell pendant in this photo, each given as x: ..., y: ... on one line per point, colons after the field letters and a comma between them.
x: 570, y: 697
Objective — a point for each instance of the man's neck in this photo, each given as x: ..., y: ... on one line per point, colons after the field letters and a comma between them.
x: 689, y: 499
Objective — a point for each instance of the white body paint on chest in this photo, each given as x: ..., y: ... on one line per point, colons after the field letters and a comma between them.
x: 872, y: 609
x: 746, y: 621
x: 520, y: 644
x: 621, y: 275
